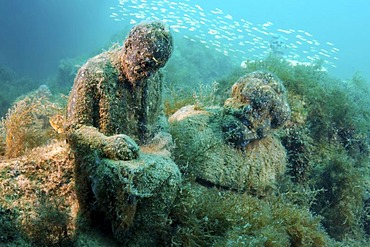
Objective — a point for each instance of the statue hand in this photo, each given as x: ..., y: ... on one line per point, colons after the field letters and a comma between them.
x: 120, y: 147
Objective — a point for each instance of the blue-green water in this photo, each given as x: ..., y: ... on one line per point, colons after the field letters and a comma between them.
x: 323, y: 196
x: 37, y: 34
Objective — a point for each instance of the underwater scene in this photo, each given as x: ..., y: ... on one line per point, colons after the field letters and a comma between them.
x: 184, y: 123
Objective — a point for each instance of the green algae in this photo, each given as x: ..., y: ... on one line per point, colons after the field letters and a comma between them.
x: 327, y: 143
x: 323, y: 198
x: 225, y: 218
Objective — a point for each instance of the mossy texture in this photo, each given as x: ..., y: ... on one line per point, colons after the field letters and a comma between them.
x: 202, y: 151
x: 207, y: 216
x: 114, y: 108
x: 146, y: 49
x: 258, y: 101
x: 26, y: 124
x: 327, y: 142
x: 322, y: 199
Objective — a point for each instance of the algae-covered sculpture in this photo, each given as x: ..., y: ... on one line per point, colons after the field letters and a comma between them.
x: 257, y: 106
x: 233, y: 147
x: 124, y: 175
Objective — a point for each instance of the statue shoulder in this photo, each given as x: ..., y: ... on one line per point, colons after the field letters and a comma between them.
x: 92, y: 71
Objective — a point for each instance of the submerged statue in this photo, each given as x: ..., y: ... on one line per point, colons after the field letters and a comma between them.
x: 233, y: 147
x: 118, y: 134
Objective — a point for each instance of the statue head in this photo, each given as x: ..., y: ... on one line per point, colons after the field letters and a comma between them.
x: 147, y: 49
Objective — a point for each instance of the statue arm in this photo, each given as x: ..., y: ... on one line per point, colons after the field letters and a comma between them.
x: 88, y: 139
x: 82, y: 117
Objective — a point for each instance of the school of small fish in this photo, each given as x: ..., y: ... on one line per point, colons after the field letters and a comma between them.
x: 220, y: 31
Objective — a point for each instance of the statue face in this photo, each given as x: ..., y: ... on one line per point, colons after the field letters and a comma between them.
x: 147, y: 48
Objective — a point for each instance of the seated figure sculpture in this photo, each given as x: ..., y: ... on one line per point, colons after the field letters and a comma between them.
x: 117, y: 133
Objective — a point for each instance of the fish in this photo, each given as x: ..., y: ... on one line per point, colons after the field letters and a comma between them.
x: 284, y: 31
x: 198, y: 7
x: 57, y: 123
x: 212, y: 32
x: 218, y: 30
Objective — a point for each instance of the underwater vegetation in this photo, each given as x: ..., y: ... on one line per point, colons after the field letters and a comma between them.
x: 327, y: 141
x: 322, y: 199
x: 221, y: 218
x: 50, y: 225
x: 9, y: 231
x: 37, y: 198
x: 26, y: 124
